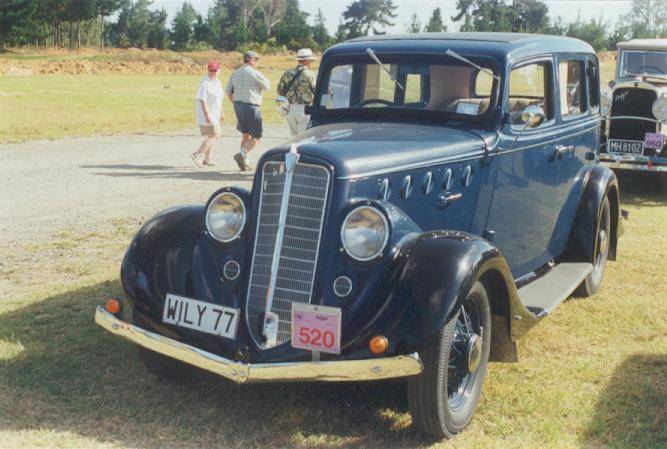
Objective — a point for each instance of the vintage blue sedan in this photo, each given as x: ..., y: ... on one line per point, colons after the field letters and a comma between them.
x: 445, y: 198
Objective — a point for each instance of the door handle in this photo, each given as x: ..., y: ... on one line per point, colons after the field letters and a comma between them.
x: 562, y: 150
x: 445, y: 199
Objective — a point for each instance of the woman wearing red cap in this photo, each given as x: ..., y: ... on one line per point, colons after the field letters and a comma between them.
x: 209, y: 113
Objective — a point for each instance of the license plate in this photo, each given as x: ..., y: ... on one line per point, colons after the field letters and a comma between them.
x: 316, y: 328
x: 654, y: 141
x: 626, y: 146
x: 201, y: 316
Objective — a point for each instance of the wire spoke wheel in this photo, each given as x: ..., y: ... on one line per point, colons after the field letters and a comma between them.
x: 444, y: 396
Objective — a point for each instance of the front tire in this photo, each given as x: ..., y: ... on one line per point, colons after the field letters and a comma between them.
x: 593, y: 281
x: 444, y: 396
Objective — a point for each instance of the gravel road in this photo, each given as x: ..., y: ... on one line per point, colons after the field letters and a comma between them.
x: 86, y: 184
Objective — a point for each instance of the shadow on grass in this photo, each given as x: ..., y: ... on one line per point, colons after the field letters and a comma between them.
x: 71, y: 376
x: 631, y: 412
x: 643, y: 189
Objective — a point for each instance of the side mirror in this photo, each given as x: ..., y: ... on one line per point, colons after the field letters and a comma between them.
x: 532, y: 116
x: 611, y: 84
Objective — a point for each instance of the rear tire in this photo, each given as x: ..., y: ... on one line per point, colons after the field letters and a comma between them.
x: 444, y: 396
x: 593, y: 281
x: 162, y: 367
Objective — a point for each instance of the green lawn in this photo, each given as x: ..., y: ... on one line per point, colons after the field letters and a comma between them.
x: 54, y: 106
x: 594, y: 374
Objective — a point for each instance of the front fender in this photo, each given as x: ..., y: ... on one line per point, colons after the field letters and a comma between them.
x: 436, y: 271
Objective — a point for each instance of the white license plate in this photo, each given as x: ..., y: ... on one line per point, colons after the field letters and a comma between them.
x: 626, y: 146
x: 201, y: 316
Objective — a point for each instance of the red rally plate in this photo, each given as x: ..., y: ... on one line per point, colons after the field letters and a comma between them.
x: 316, y: 328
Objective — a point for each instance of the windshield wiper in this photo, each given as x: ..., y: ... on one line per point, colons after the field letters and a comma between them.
x: 372, y: 54
x: 455, y: 55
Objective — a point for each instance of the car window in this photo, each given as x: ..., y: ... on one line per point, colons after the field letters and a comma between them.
x: 530, y: 85
x: 411, y: 84
x: 413, y: 88
x: 483, y: 84
x: 571, y: 87
x: 338, y: 95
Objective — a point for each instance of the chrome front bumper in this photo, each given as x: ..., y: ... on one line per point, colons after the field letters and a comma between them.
x: 334, y: 371
x: 639, y: 163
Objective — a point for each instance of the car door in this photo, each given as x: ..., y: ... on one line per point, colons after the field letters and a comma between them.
x: 577, y: 112
x: 525, y: 205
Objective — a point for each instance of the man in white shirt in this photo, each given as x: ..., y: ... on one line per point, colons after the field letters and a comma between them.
x: 245, y: 89
x: 208, y: 109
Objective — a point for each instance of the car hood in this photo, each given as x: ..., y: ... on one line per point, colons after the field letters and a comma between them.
x: 369, y: 148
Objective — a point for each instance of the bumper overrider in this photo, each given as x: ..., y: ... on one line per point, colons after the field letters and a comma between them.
x: 328, y: 371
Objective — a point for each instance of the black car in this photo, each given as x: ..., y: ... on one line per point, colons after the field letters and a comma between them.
x: 445, y: 198
x: 638, y: 116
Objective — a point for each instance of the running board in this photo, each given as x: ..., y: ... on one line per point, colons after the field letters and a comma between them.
x: 544, y: 294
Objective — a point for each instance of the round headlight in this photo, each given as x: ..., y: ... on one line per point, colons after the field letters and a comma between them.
x: 364, y: 233
x: 225, y: 217
x: 659, y: 109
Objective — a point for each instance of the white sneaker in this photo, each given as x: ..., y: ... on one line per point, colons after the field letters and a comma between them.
x: 198, y: 159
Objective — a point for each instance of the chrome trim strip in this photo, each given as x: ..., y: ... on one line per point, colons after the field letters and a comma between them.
x: 332, y: 371
x: 291, y: 158
x: 637, y: 163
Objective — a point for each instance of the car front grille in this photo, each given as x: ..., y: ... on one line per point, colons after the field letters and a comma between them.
x: 634, y: 102
x: 298, y: 239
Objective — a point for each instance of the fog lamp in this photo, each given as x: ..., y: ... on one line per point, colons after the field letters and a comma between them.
x: 378, y: 344
x: 113, y: 306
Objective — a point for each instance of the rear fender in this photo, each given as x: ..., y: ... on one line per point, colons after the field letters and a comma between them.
x: 581, y: 246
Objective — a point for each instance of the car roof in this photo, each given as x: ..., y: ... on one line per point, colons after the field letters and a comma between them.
x: 644, y: 44
x: 501, y: 46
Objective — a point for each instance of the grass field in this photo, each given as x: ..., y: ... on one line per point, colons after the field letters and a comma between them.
x: 592, y: 375
x: 100, y: 102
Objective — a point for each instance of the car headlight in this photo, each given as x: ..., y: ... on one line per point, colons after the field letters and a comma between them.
x: 225, y: 216
x: 659, y: 109
x: 365, y: 233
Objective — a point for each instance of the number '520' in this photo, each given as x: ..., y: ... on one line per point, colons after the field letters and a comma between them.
x: 316, y: 337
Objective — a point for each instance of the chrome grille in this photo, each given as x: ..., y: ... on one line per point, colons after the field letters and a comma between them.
x: 296, y: 257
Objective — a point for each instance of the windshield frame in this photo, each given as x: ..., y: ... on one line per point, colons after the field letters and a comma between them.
x: 398, y: 113
x: 623, y: 73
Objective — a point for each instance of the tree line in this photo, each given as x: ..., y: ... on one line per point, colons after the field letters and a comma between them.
x: 268, y: 25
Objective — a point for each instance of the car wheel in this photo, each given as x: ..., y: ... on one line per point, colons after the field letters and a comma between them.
x: 444, y: 396
x: 593, y: 281
x: 164, y: 368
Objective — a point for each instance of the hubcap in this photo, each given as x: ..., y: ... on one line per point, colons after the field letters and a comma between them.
x: 474, y: 353
x: 603, y: 241
x: 465, y: 356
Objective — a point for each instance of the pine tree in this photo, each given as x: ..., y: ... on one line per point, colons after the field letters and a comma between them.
x: 435, y: 23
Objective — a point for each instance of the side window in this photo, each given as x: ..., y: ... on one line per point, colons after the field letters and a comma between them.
x: 593, y: 86
x: 482, y: 84
x: 413, y: 88
x: 530, y: 85
x: 338, y: 92
x: 572, y: 94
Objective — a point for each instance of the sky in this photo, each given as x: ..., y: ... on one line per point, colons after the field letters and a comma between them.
x: 609, y: 10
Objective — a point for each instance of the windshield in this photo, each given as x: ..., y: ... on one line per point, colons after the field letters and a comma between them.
x: 399, y: 85
x: 644, y: 63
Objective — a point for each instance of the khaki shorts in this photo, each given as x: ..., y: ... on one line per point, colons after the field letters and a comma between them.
x: 210, y: 130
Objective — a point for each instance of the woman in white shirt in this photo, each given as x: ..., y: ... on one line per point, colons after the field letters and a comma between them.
x: 209, y: 113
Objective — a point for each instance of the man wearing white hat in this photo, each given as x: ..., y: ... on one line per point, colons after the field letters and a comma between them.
x: 298, y: 86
